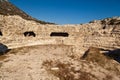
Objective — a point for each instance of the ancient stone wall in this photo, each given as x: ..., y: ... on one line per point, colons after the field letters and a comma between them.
x: 81, y: 36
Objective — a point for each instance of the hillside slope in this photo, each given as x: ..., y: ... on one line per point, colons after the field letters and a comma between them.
x: 7, y: 8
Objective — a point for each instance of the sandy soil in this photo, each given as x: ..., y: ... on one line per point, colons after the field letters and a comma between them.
x: 53, y: 62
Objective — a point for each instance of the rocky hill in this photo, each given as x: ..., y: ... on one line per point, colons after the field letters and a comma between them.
x: 7, y: 8
x: 37, y: 50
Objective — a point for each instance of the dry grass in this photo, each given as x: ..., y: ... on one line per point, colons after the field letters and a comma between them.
x: 93, y: 54
x: 64, y: 71
x: 22, y: 49
x: 2, y: 57
x: 108, y: 77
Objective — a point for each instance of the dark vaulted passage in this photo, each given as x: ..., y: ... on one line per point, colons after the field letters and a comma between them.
x: 59, y: 34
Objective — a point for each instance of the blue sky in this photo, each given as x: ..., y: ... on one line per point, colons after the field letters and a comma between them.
x: 69, y: 11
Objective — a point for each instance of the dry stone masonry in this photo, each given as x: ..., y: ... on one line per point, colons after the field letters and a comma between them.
x: 31, y: 49
x: 99, y: 33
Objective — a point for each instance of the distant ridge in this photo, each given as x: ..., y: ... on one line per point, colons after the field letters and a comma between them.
x: 7, y: 8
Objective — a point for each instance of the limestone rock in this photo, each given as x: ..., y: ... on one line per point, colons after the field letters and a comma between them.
x: 32, y: 44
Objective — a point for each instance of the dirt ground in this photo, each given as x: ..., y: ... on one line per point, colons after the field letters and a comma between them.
x: 54, y: 62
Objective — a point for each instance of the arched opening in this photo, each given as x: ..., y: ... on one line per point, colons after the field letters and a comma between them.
x: 1, y: 33
x: 59, y: 34
x: 29, y: 33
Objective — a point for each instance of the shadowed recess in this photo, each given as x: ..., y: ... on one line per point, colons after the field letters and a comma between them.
x: 58, y: 34
x: 1, y: 33
x: 3, y: 49
x: 115, y: 54
x: 29, y: 33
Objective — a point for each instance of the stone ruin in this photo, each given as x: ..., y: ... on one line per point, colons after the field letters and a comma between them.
x: 19, y: 29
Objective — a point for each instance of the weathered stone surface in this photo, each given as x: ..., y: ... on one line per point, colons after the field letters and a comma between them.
x: 14, y: 23
x: 27, y: 62
x: 83, y: 36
